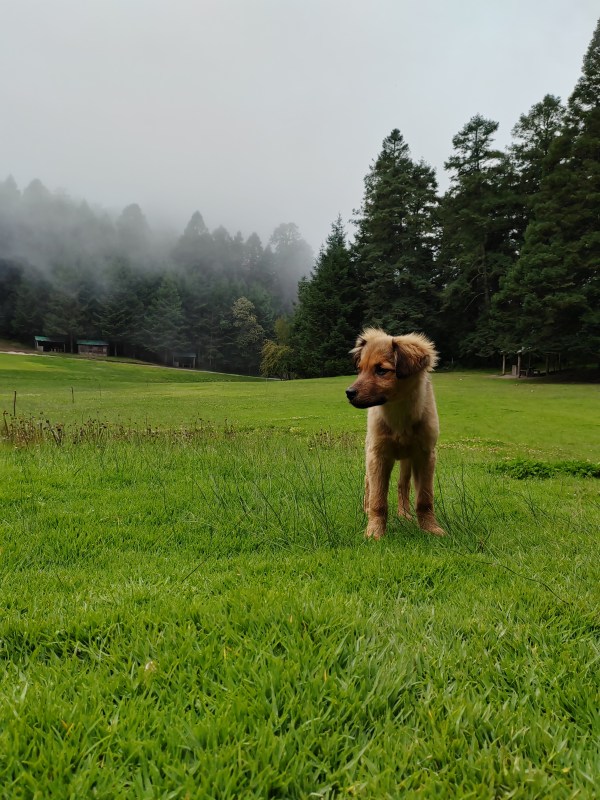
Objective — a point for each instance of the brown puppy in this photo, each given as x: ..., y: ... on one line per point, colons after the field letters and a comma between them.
x: 402, y: 425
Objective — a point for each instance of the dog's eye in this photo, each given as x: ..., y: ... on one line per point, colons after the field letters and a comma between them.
x: 379, y: 370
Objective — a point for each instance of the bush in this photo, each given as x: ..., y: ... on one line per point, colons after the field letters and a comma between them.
x: 521, y: 468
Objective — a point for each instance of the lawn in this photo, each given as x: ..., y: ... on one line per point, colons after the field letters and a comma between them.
x: 189, y: 609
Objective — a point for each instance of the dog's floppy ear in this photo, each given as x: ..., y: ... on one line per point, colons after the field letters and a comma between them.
x: 413, y: 353
x: 357, y: 349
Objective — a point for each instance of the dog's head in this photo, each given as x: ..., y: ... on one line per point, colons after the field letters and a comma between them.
x: 386, y: 363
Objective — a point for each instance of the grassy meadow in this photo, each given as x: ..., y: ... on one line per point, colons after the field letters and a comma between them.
x: 188, y: 608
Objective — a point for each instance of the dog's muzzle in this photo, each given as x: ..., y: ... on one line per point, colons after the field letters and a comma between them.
x: 352, y: 395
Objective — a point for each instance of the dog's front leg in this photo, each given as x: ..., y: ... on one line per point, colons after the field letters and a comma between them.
x: 379, y: 468
x: 423, y: 468
x: 404, y: 489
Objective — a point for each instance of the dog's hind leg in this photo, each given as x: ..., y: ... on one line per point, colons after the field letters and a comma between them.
x: 424, y: 467
x: 404, y: 489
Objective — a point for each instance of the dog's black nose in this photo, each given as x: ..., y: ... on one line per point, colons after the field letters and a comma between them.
x: 351, y: 393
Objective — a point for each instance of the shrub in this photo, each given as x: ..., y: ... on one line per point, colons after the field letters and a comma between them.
x: 521, y: 468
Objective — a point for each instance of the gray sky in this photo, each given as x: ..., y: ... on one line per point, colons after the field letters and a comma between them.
x: 258, y: 112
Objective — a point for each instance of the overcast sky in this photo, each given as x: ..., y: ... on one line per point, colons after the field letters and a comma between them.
x: 257, y: 112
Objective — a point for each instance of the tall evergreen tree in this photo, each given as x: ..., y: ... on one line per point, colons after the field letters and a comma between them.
x: 63, y: 316
x: 121, y: 316
x: 291, y: 260
x: 534, y: 135
x: 396, y: 239
x: 552, y: 295
x: 91, y: 307
x: 478, y: 244
x: 30, y: 306
x: 191, y: 249
x: 10, y: 197
x: 165, y: 320
x: 329, y: 311
x: 133, y: 234
x: 11, y: 280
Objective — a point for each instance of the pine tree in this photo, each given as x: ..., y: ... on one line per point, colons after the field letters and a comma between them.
x: 30, y: 306
x: 291, y: 260
x: 133, y: 234
x: 191, y: 249
x: 165, y: 320
x: 477, y: 244
x: 10, y: 197
x: 552, y: 295
x: 535, y: 133
x: 11, y: 281
x: 329, y: 313
x: 63, y: 316
x: 396, y: 239
x: 122, y: 311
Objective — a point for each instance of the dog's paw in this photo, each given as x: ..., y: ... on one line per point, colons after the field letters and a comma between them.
x: 429, y: 524
x: 434, y: 529
x: 374, y: 532
x: 405, y: 514
x: 437, y: 531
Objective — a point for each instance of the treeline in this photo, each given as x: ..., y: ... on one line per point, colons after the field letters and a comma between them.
x: 68, y: 269
x: 507, y: 259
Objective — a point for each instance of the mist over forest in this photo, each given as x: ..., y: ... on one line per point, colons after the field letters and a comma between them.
x: 70, y: 269
x: 505, y: 261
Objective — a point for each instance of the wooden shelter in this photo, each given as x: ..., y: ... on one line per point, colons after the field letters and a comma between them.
x: 184, y: 360
x: 50, y: 344
x: 526, y: 363
x: 92, y: 347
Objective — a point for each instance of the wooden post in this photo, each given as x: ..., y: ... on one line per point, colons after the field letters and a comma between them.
x: 518, y: 365
x: 504, y: 363
x: 547, y: 363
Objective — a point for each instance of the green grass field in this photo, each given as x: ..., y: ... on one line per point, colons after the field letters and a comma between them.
x: 188, y: 608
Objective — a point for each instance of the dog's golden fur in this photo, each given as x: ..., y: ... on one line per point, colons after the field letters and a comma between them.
x: 402, y: 425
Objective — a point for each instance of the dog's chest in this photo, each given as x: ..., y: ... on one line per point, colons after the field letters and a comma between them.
x: 402, y: 441
x: 399, y: 439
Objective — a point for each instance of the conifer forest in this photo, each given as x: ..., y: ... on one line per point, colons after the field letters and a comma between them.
x: 507, y: 259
